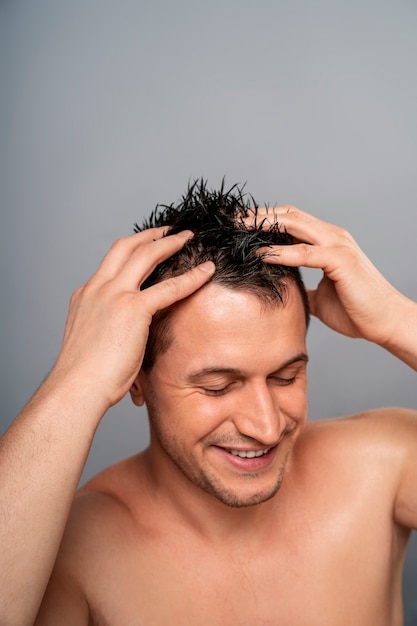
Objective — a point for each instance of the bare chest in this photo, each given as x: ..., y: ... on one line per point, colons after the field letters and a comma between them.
x: 332, y: 557
x: 316, y: 576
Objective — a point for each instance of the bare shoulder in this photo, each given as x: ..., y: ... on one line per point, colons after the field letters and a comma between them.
x: 376, y: 451
x: 99, y: 536
x: 108, y: 504
x: 378, y: 443
x: 391, y: 425
x: 116, y: 483
x: 101, y: 508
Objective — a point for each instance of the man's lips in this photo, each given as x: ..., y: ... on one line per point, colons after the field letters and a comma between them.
x: 248, y: 451
x: 248, y: 459
x: 252, y: 457
x: 248, y: 454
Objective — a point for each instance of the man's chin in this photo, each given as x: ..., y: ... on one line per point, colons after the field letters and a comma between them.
x: 238, y: 500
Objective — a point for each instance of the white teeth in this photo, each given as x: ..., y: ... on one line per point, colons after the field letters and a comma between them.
x: 249, y: 454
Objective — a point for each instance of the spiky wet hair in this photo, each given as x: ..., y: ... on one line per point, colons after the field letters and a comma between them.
x: 220, y: 235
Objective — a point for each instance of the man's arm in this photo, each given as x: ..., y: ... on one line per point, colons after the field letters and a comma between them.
x: 353, y: 297
x: 43, y: 453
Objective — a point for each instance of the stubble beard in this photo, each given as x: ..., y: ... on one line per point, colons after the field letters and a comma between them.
x: 206, y: 479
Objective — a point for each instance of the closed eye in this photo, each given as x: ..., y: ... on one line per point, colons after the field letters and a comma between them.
x: 216, y: 392
x: 283, y: 381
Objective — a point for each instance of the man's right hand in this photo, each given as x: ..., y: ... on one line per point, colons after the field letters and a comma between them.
x: 109, y: 317
x: 43, y: 453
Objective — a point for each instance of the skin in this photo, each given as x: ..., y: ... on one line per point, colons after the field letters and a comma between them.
x: 326, y: 550
x: 43, y: 453
x: 239, y: 371
x: 185, y: 532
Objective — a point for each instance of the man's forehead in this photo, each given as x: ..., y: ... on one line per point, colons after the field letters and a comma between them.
x: 213, y: 295
x: 216, y: 307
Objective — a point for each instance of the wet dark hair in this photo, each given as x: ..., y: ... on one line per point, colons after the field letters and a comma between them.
x: 220, y: 235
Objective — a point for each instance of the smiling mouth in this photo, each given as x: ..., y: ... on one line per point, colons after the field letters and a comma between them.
x: 249, y: 454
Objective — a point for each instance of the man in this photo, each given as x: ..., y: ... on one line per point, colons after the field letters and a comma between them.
x: 238, y: 512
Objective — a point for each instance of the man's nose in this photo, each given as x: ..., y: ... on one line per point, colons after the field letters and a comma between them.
x: 259, y: 415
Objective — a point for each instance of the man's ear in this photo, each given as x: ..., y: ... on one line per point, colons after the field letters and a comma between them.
x: 136, y: 391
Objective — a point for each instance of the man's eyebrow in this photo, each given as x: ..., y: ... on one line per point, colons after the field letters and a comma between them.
x: 303, y: 356
x: 210, y: 371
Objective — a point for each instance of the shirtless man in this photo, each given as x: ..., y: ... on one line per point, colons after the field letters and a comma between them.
x: 239, y: 512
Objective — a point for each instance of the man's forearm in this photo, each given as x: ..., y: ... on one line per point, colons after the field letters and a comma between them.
x: 42, y: 456
x: 403, y: 338
x: 43, y: 453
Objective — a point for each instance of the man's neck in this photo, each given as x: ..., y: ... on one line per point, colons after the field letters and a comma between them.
x: 201, y: 512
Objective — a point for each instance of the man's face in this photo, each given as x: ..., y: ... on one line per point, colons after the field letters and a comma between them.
x: 227, y: 400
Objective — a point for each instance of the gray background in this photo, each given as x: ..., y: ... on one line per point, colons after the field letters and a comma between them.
x: 110, y: 107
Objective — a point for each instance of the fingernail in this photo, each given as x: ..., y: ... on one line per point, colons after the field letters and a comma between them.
x: 187, y: 234
x: 207, y: 266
